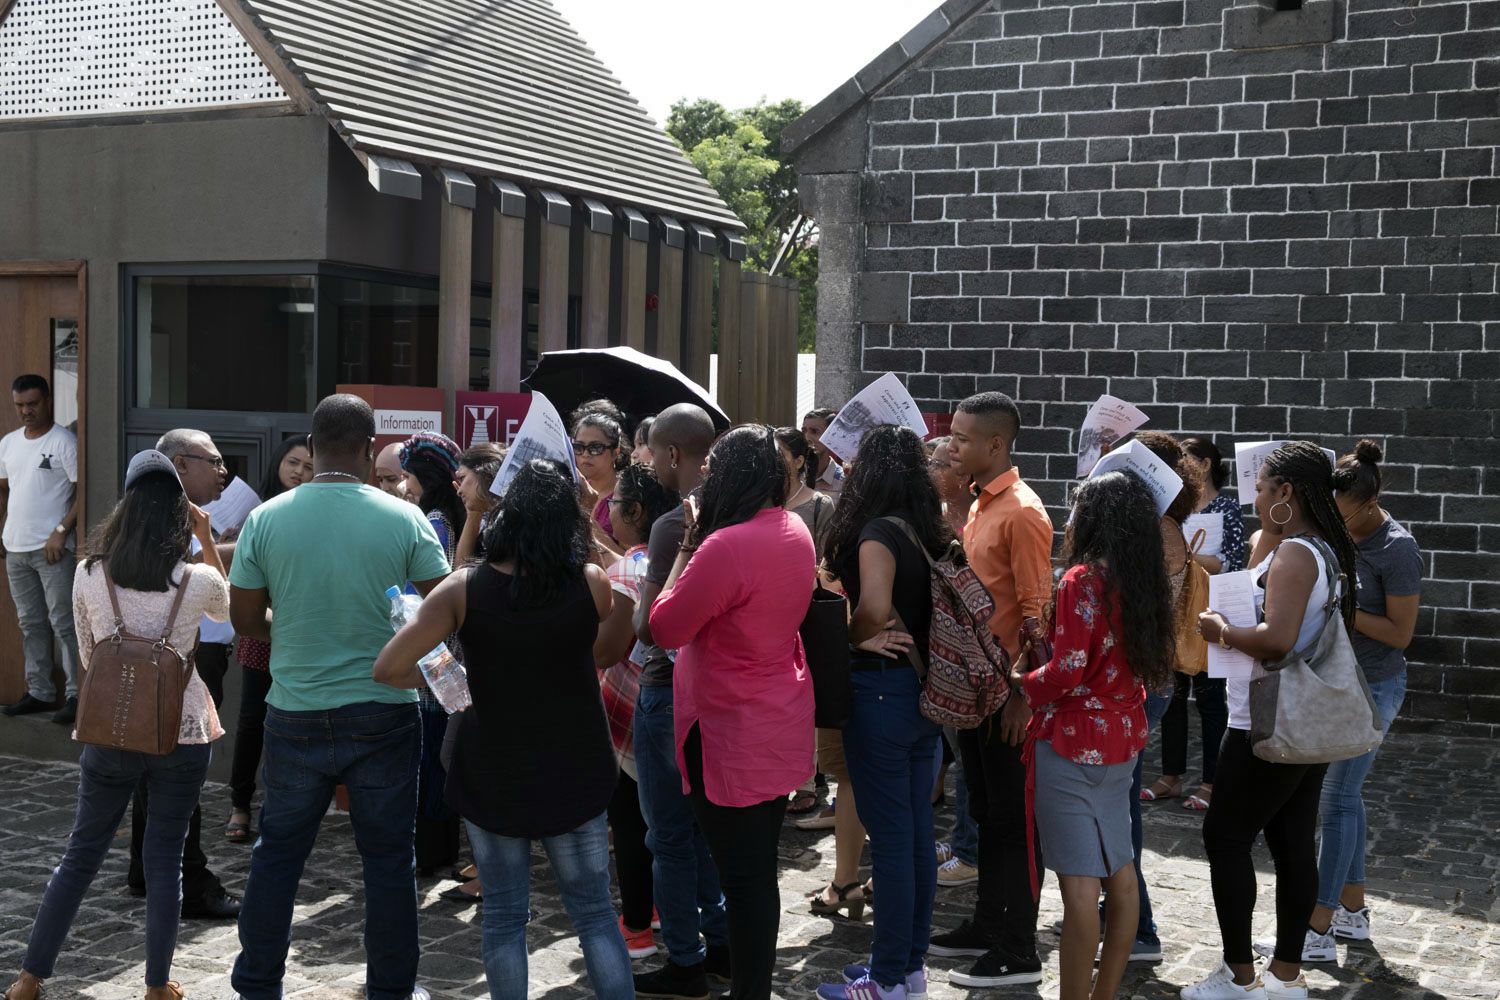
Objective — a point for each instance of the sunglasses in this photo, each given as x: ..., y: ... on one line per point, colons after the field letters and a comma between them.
x: 593, y: 448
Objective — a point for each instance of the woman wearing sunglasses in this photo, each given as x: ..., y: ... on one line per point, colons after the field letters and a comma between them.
x: 598, y: 433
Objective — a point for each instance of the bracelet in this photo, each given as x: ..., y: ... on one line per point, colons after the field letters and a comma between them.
x: 687, y: 549
x: 1224, y: 638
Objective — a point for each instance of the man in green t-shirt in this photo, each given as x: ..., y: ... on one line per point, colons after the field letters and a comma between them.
x: 322, y: 556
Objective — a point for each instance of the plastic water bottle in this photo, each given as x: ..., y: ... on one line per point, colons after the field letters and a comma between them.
x: 445, y: 676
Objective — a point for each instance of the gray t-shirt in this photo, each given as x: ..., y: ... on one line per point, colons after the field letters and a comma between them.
x: 661, y: 553
x: 1389, y: 565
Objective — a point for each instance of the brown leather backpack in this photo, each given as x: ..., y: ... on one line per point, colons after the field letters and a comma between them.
x: 131, y: 698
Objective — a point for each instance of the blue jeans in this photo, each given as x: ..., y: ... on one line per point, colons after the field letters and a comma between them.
x: 106, y: 781
x: 892, y: 750
x: 1156, y: 707
x: 373, y: 750
x: 1341, y: 856
x: 686, y: 883
x: 965, y: 840
x: 580, y: 860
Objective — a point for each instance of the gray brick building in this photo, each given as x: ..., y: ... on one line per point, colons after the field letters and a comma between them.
x: 1277, y: 219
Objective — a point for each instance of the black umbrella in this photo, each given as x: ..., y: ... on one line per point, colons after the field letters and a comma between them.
x: 638, y: 383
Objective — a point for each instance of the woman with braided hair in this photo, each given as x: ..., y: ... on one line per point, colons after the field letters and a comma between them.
x: 1304, y: 531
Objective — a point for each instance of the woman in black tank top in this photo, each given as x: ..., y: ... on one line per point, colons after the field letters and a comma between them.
x: 533, y: 759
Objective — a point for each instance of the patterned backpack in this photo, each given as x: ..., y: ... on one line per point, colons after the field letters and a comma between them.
x: 967, y: 676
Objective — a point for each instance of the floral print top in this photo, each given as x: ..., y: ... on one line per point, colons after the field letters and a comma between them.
x: 1087, y: 701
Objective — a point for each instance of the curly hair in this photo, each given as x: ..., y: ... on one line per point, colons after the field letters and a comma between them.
x: 1115, y: 531
x: 745, y: 476
x: 1304, y: 466
x: 540, y: 526
x: 639, y: 485
x: 1169, y: 450
x: 889, y: 475
x: 604, y: 416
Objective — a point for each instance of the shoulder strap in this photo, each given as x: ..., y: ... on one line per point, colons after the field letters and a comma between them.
x: 114, y: 600
x: 166, y: 632
x: 1196, y: 545
x: 911, y: 533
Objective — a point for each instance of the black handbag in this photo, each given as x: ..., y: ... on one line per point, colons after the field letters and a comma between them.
x: 825, y: 642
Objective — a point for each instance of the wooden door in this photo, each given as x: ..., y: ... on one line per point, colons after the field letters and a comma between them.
x: 39, y: 304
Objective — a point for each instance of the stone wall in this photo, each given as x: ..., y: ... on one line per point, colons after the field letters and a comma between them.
x: 1251, y: 223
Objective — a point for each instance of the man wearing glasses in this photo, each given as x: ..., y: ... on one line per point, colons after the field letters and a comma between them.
x: 201, y: 469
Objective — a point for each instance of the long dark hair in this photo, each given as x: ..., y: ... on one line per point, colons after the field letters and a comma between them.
x: 639, y: 485
x: 889, y: 475
x: 1204, y: 450
x: 1116, y: 531
x: 540, y: 526
x: 1304, y: 466
x: 1167, y: 448
x: 270, y: 483
x: 433, y: 460
x: 146, y: 535
x: 795, y: 442
x: 745, y: 476
x: 1358, y: 474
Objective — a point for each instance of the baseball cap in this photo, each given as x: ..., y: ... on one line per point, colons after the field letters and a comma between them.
x: 147, y: 462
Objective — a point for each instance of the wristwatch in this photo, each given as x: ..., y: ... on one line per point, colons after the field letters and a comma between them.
x: 61, y: 529
x: 1223, y: 638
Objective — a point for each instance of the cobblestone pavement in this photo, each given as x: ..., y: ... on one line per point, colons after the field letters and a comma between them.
x: 1434, y: 808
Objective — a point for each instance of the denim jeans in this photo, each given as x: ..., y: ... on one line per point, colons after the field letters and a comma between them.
x: 964, y: 841
x: 580, y: 860
x: 1156, y: 707
x: 373, y: 750
x: 1341, y: 855
x: 106, y: 781
x: 43, y: 594
x: 892, y: 749
x: 686, y: 887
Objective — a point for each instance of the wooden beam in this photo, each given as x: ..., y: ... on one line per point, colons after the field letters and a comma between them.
x: 792, y: 303
x: 670, y: 238
x: 455, y: 284
x: 698, y: 309
x: 552, y: 274
x: 508, y: 288
x: 596, y: 226
x: 750, y: 315
x: 731, y: 348
x: 632, y: 239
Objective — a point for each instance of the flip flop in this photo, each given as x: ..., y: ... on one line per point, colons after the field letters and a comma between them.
x: 237, y: 833
x: 802, y: 803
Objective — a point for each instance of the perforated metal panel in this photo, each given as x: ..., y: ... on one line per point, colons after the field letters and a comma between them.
x: 84, y: 57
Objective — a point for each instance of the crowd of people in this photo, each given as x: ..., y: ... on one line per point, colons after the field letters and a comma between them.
x: 629, y: 631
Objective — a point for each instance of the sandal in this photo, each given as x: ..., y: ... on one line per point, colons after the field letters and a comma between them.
x: 1162, y: 789
x: 1200, y: 801
x: 236, y: 832
x: 461, y: 894
x: 465, y: 874
x: 854, y: 906
x: 18, y: 990
x: 802, y: 803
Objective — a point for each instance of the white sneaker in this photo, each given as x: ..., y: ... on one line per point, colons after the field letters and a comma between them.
x: 1221, y: 986
x: 1315, y: 947
x: 1351, y: 925
x: 1294, y: 990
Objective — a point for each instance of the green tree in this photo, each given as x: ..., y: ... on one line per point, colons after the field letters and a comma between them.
x: 740, y: 154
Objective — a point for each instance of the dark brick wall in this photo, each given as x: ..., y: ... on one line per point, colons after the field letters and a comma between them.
x: 1081, y: 198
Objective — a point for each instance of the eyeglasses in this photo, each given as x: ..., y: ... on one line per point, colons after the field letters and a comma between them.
x: 593, y: 449
x: 217, y: 463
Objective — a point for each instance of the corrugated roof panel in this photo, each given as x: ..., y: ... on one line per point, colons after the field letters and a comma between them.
x: 495, y: 87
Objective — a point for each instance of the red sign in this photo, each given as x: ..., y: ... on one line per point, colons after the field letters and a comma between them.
x: 482, y: 417
x: 400, y: 410
x: 938, y: 424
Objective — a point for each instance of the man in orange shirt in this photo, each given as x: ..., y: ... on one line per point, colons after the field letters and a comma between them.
x: 1008, y: 539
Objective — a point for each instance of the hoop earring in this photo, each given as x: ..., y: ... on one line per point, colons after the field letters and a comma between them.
x: 1272, y: 514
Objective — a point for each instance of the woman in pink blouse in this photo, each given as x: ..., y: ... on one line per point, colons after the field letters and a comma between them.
x: 744, y: 699
x: 1112, y: 630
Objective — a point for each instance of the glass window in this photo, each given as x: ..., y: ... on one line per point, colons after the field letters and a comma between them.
x: 65, y: 372
x: 232, y: 342
x: 386, y: 334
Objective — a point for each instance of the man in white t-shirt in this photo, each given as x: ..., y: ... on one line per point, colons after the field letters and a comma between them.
x: 39, y: 510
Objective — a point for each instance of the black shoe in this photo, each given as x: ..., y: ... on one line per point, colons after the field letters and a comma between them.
x: 716, y: 965
x: 28, y: 706
x: 998, y: 967
x: 64, y: 716
x: 138, y: 891
x: 965, y: 942
x: 673, y: 982
x: 215, y: 906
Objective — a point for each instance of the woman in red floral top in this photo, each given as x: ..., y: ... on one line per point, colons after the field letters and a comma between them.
x: 1113, y: 629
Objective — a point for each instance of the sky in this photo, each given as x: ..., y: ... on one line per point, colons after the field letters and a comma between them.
x: 738, y: 53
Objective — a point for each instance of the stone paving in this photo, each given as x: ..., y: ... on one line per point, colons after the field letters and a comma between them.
x: 1434, y: 807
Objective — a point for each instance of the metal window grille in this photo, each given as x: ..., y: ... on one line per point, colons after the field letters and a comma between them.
x: 86, y: 57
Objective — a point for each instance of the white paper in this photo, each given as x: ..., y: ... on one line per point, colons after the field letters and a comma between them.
x: 1109, y: 420
x: 883, y: 402
x: 543, y: 434
x: 1212, y: 526
x: 1135, y: 457
x: 232, y: 507
x: 1250, y: 456
x: 1233, y: 596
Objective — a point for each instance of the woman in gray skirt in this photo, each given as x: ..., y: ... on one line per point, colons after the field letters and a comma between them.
x: 1112, y: 630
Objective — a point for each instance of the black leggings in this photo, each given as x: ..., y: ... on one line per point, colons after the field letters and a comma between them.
x: 632, y: 857
x: 743, y: 844
x: 1213, y: 711
x: 1253, y: 795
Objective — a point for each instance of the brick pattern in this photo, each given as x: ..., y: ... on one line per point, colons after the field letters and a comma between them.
x: 1297, y: 241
